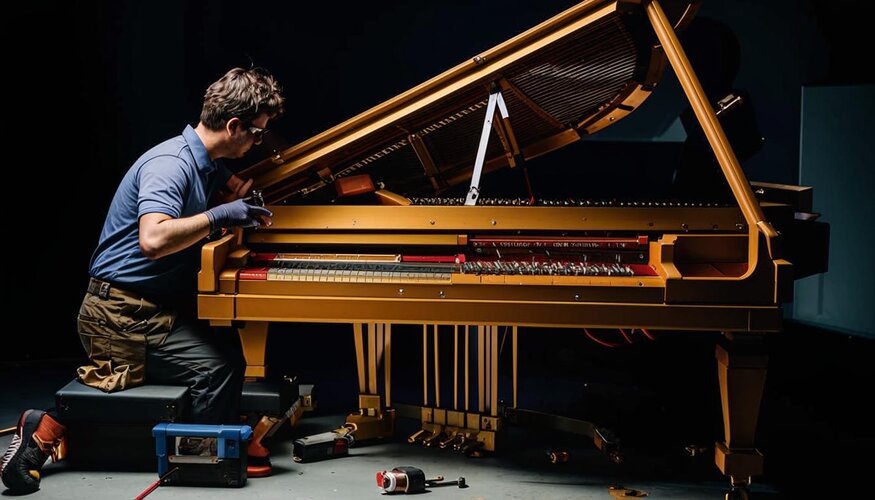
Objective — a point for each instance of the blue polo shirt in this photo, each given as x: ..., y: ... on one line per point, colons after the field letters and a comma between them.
x: 176, y: 178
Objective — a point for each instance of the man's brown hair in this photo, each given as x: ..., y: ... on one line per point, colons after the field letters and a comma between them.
x: 241, y: 93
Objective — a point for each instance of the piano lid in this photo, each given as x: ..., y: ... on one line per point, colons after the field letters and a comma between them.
x: 573, y: 74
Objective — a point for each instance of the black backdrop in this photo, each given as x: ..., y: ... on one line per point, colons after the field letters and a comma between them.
x: 90, y: 85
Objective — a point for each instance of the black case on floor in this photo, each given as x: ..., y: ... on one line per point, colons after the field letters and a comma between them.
x: 115, y: 429
x: 268, y: 398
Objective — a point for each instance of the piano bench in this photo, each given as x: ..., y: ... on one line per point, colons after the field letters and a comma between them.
x: 114, y: 430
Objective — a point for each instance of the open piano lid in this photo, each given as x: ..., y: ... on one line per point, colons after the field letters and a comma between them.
x: 573, y: 74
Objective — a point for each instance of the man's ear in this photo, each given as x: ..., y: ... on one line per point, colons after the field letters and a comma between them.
x: 232, y: 125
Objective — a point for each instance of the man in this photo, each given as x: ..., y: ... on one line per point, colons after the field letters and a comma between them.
x: 138, y: 320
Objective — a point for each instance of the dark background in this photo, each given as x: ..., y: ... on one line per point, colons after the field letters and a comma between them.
x: 89, y: 86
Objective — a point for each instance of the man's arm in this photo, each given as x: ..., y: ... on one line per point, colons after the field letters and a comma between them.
x: 161, y: 234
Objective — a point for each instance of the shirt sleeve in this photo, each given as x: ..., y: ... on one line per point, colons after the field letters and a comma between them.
x: 163, y: 184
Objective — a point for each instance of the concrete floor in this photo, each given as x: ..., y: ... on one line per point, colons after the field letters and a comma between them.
x: 811, y: 434
x: 520, y: 472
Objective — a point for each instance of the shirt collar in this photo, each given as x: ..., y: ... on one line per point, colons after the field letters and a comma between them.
x: 198, y: 150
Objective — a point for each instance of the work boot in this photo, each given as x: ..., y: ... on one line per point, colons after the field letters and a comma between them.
x: 37, y: 437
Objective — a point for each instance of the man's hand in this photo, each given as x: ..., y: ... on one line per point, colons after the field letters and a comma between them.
x: 238, y: 213
x: 234, y: 189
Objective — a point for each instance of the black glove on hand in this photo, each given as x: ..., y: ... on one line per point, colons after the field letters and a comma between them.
x: 235, y: 213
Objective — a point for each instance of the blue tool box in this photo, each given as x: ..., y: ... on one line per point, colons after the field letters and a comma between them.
x: 202, y: 455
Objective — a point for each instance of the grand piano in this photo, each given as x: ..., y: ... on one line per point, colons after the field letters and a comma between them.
x: 379, y: 221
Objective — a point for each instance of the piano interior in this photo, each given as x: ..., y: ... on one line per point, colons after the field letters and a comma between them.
x: 379, y: 221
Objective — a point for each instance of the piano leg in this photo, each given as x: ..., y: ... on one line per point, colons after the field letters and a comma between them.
x: 741, y: 369
x: 253, y: 336
x: 374, y: 418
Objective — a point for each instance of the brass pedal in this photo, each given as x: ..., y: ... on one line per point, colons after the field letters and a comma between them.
x: 418, y: 436
x: 467, y: 443
x: 448, y: 442
x: 471, y: 446
x: 433, y: 439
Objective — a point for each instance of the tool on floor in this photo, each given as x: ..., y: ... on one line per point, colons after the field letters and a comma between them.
x: 331, y: 444
x: 439, y: 481
x: 205, y: 455
x: 155, y: 485
x: 408, y: 479
x: 265, y: 428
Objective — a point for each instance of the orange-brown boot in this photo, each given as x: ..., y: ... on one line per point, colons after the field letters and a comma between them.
x: 36, y: 439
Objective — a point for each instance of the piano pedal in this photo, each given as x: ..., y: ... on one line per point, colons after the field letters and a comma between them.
x: 461, y: 440
x: 472, y: 447
x: 466, y: 442
x: 433, y: 439
x: 417, y: 436
x: 450, y: 440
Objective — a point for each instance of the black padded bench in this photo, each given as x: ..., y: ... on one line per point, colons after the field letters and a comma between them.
x: 114, y: 430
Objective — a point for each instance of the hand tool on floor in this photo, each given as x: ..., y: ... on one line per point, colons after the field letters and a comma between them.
x: 408, y: 479
x: 331, y: 444
x: 439, y: 481
x: 152, y: 487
